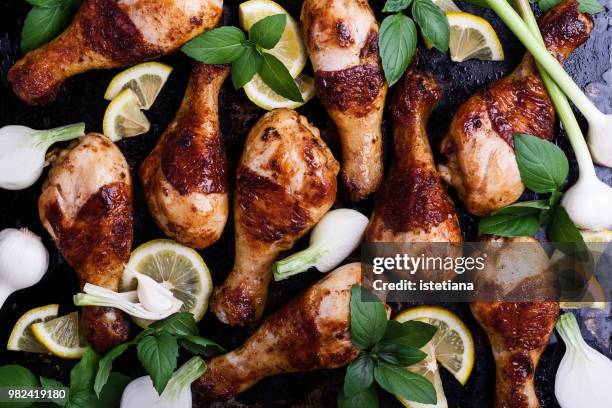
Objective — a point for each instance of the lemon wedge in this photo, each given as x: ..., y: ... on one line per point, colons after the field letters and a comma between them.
x: 146, y: 80
x: 453, y: 343
x: 290, y: 49
x: 179, y: 268
x: 472, y: 37
x: 62, y: 336
x: 427, y: 368
x: 263, y: 96
x: 22, y: 338
x: 123, y: 117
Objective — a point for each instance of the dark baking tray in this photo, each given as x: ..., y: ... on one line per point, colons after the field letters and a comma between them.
x: 81, y: 99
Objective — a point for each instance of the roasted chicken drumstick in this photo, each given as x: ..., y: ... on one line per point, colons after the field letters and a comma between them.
x: 110, y: 34
x: 286, y: 181
x: 309, y: 333
x: 86, y: 205
x: 184, y: 176
x: 342, y: 40
x: 518, y: 331
x: 479, y: 147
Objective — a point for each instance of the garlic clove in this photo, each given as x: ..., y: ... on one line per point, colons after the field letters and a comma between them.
x: 153, y: 296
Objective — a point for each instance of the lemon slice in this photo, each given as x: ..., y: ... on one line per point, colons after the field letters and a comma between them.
x: 22, y: 338
x: 453, y: 343
x: 179, y: 268
x: 290, y: 49
x: 62, y: 336
x: 123, y: 117
x: 263, y: 96
x: 428, y: 368
x: 472, y: 37
x: 146, y: 80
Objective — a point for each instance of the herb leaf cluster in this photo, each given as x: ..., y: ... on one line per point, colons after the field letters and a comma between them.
x: 157, y: 349
x: 386, y: 348
x: 544, y: 168
x: 398, y: 34
x: 45, y: 21
x: 80, y: 392
x: 229, y: 45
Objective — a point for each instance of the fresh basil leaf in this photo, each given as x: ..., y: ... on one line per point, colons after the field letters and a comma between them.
x: 433, y: 23
x: 399, y: 381
x: 268, y: 31
x: 590, y: 6
x: 245, y: 67
x: 411, y: 333
x: 562, y: 229
x: 392, y: 6
x: 222, y: 45
x: 158, y: 355
x: 277, y: 76
x: 368, y: 320
x: 112, y: 391
x: 555, y: 197
x: 42, y: 25
x: 105, y: 365
x: 16, y: 376
x: 509, y: 225
x: 359, y: 374
x: 397, y: 42
x: 82, y: 376
x: 178, y: 324
x: 364, y: 398
x: 543, y: 165
x: 49, y: 3
x: 51, y: 384
x: 201, y: 346
x: 524, y: 207
x: 546, y: 5
x: 398, y: 353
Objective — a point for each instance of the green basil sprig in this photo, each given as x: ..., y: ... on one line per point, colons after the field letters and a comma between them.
x: 229, y: 45
x: 80, y: 391
x: 544, y: 168
x: 386, y: 348
x: 45, y: 21
x: 398, y: 35
x: 157, y: 349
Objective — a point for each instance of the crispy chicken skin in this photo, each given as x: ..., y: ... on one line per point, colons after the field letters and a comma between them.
x: 286, y: 181
x: 311, y: 332
x: 412, y: 205
x: 479, y: 147
x: 109, y: 34
x: 184, y: 176
x: 518, y: 333
x: 86, y: 206
x: 342, y: 39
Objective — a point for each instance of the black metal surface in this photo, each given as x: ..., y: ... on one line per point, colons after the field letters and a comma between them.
x: 81, y: 99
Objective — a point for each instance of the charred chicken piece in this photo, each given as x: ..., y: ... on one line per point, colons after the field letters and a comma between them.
x: 479, y: 147
x: 342, y: 40
x: 518, y: 331
x: 184, y: 176
x: 309, y: 333
x: 286, y: 181
x: 86, y: 206
x: 108, y: 34
x: 412, y: 204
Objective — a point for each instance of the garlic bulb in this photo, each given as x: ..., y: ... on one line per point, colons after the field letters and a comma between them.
x: 336, y: 235
x: 589, y: 203
x: 23, y: 261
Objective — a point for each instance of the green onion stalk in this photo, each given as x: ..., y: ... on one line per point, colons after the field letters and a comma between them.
x: 588, y: 201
